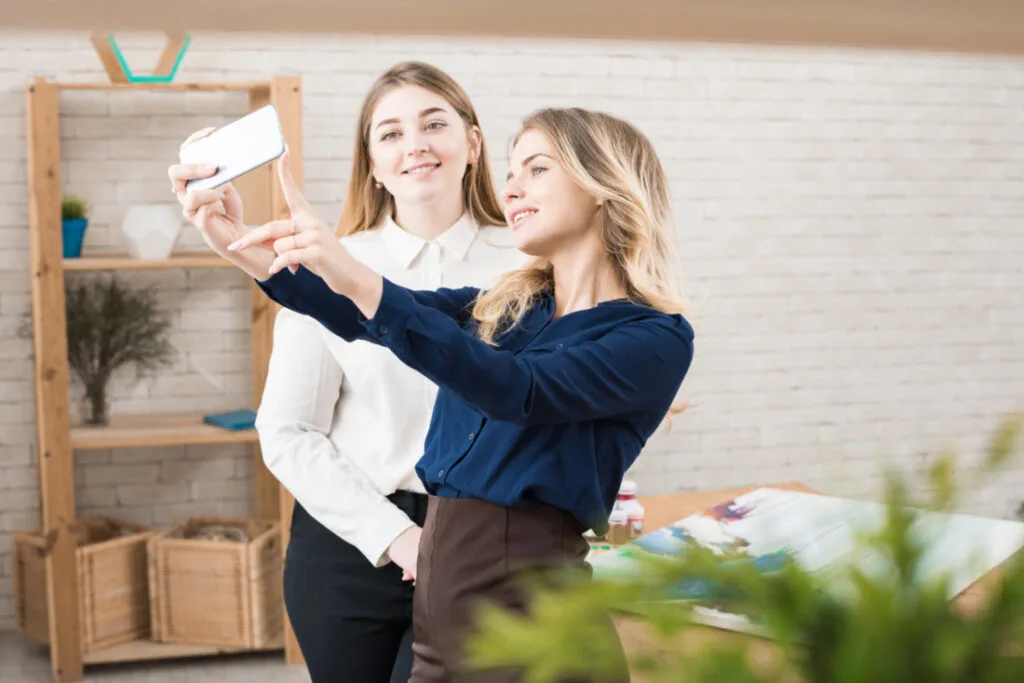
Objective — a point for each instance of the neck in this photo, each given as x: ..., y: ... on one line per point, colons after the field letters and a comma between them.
x: 429, y: 220
x: 584, y: 278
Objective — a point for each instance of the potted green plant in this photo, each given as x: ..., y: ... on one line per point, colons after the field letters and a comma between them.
x: 74, y: 213
x: 885, y: 626
x: 110, y: 326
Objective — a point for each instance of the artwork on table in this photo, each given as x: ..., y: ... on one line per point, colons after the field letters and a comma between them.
x: 822, y: 534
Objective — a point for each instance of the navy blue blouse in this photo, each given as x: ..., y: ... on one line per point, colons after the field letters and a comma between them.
x: 555, y: 413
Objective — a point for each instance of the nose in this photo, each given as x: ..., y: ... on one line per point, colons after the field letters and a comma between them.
x: 512, y: 191
x: 415, y: 143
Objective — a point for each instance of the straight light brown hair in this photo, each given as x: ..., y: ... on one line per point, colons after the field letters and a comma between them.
x: 366, y: 205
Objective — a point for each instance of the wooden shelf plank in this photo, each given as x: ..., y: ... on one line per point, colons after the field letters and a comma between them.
x: 156, y: 430
x: 114, y: 261
x: 141, y: 650
x: 176, y: 87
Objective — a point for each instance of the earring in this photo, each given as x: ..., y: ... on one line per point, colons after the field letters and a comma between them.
x: 378, y: 185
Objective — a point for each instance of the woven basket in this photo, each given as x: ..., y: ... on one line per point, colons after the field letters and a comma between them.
x: 112, y: 582
x: 217, y: 591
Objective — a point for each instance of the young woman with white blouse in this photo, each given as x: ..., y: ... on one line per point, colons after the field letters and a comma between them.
x: 342, y: 424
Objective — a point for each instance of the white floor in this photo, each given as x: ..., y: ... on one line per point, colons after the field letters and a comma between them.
x: 23, y: 661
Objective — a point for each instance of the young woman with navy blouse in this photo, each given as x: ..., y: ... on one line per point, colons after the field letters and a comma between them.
x: 550, y: 382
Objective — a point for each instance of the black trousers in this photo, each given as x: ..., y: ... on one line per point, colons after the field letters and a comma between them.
x: 353, y: 621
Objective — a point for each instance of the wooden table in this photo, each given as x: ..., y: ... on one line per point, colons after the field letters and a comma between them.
x: 660, y: 511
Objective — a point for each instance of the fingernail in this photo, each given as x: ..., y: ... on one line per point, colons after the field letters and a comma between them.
x: 223, y: 194
x: 209, y: 168
x: 234, y: 245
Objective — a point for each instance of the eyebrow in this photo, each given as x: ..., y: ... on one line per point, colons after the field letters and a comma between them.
x: 426, y: 112
x: 527, y: 160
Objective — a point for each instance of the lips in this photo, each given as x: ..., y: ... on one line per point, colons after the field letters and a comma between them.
x: 420, y: 169
x: 520, y: 216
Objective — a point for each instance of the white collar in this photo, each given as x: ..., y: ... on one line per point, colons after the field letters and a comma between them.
x: 406, y: 247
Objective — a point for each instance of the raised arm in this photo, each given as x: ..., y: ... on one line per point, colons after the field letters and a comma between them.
x: 310, y: 295
x: 636, y: 367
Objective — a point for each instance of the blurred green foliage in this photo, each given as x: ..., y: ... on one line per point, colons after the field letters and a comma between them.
x: 888, y: 627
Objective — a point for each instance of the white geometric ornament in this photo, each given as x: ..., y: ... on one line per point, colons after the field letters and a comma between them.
x: 150, y: 230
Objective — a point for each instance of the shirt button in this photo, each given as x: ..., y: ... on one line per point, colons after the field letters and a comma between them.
x: 383, y: 329
x: 440, y: 474
x: 558, y: 346
x: 470, y: 437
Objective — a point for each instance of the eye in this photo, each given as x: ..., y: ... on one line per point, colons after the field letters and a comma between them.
x: 436, y: 125
x: 537, y: 170
x: 389, y: 135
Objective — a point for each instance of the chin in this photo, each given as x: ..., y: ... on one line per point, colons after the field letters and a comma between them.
x: 418, y: 195
x: 426, y: 192
x: 531, y: 246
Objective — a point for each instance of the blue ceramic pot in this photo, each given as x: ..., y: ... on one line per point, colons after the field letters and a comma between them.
x: 73, y: 233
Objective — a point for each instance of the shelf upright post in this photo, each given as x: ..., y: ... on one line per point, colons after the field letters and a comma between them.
x: 56, y: 468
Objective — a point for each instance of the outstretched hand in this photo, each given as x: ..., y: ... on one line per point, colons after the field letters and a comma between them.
x: 299, y: 239
x: 302, y: 239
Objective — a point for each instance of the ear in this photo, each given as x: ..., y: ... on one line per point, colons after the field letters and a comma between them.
x: 476, y: 141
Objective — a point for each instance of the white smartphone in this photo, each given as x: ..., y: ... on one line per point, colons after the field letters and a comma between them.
x: 237, y: 148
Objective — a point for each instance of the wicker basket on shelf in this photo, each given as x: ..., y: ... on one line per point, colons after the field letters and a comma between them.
x: 113, y: 582
x: 217, y: 581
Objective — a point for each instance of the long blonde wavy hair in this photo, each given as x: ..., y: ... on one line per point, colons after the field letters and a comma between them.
x: 615, y: 162
x: 366, y: 205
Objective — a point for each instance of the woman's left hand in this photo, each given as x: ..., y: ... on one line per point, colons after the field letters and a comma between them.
x: 304, y: 239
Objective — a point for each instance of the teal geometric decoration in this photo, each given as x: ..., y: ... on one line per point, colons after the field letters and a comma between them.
x: 117, y: 66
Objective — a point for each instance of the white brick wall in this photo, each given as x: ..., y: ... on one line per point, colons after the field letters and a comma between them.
x: 850, y: 223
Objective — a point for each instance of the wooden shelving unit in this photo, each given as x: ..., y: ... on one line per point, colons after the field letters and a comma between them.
x: 57, y: 439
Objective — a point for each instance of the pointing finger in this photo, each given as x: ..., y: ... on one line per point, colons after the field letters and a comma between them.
x: 268, y: 231
x: 292, y: 195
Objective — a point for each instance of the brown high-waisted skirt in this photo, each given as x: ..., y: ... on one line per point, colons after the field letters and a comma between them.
x: 471, y: 550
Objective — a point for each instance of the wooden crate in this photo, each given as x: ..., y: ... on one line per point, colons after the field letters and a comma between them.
x: 112, y: 582
x: 217, y: 592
